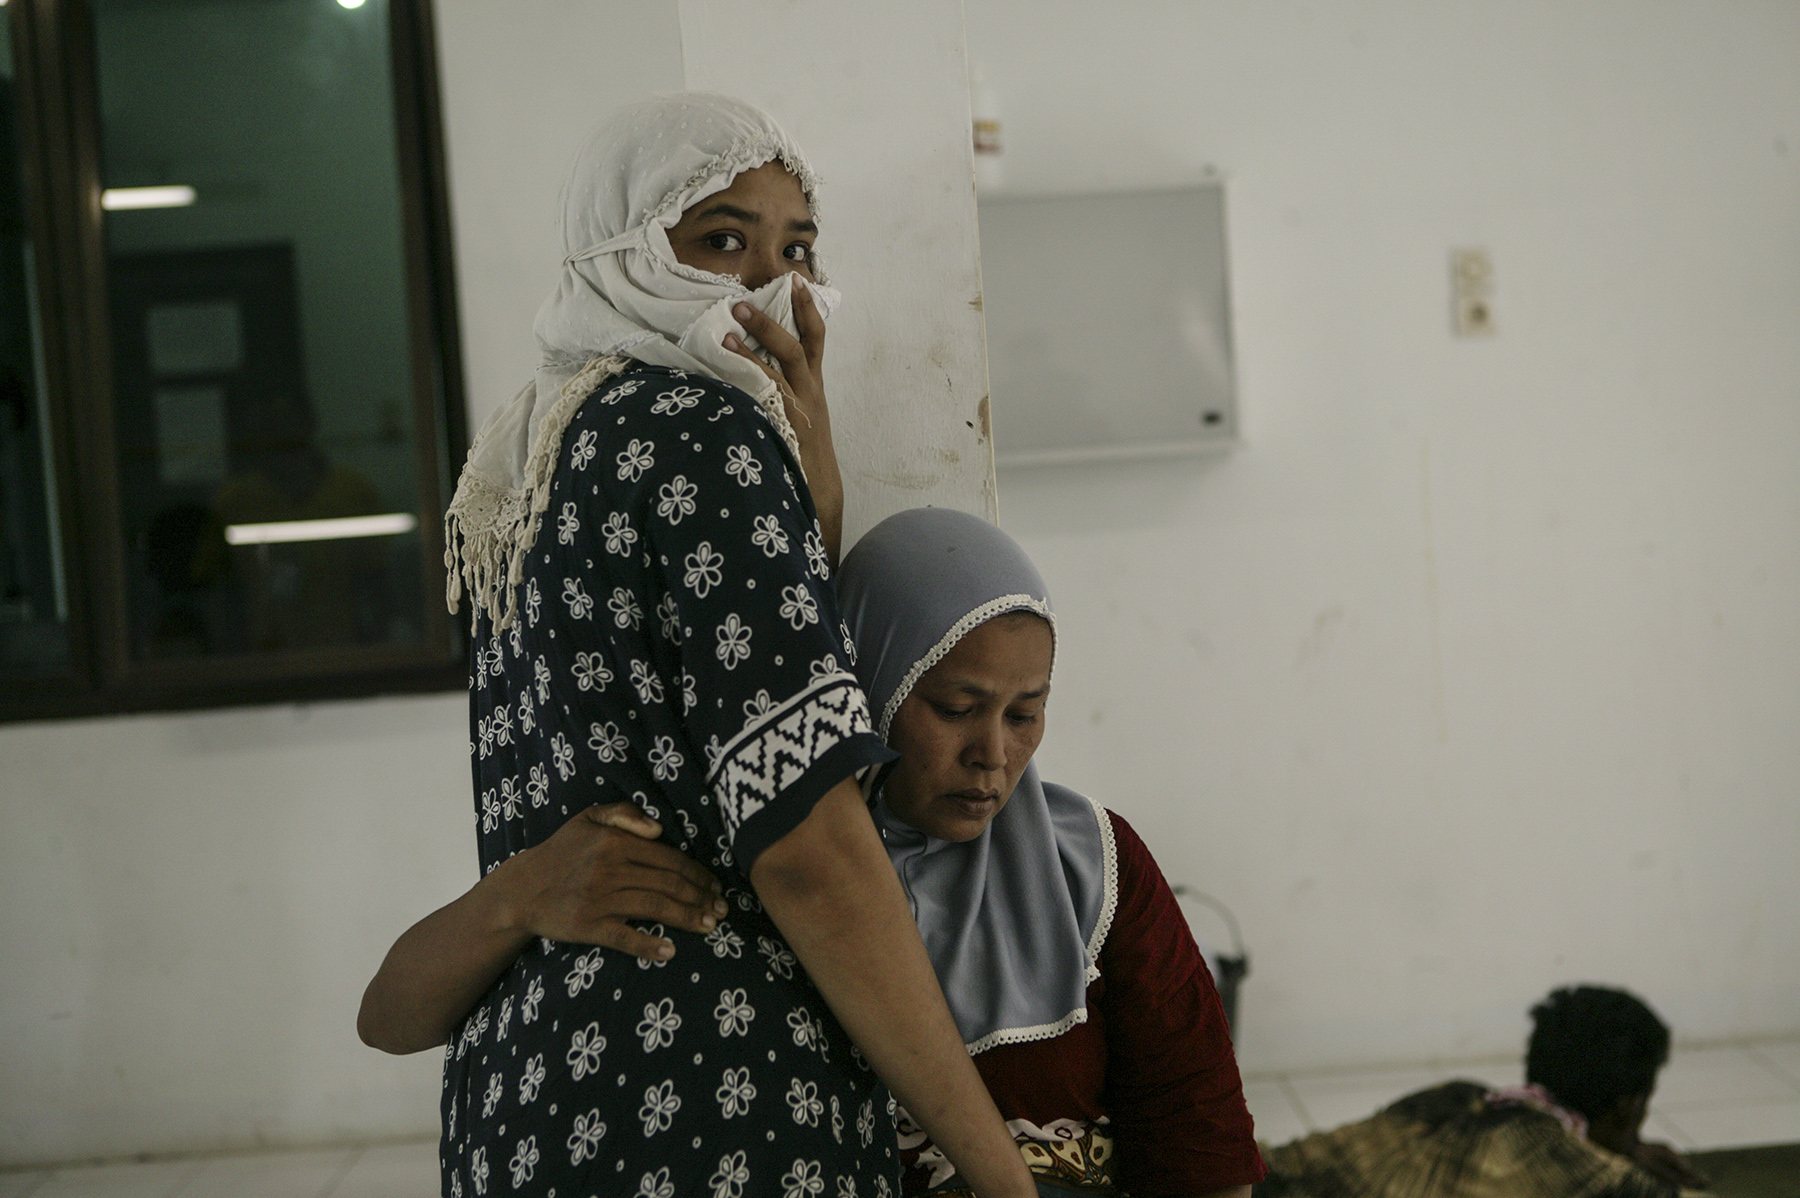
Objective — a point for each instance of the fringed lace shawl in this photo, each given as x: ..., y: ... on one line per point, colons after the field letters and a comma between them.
x: 493, y: 520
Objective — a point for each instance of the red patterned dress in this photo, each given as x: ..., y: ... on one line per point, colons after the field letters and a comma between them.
x: 1144, y: 1097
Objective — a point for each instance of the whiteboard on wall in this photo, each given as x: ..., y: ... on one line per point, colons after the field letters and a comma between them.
x: 1108, y: 324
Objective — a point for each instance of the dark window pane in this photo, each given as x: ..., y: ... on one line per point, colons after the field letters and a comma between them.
x: 262, y: 369
x: 33, y: 602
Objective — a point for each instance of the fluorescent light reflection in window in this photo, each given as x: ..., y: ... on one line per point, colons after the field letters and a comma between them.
x: 391, y: 524
x: 115, y: 199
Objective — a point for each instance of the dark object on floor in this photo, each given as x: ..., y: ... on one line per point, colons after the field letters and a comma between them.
x: 1232, y: 970
x: 1772, y: 1171
x: 1233, y: 967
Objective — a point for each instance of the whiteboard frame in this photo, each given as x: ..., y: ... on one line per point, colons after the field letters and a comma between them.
x: 1227, y: 440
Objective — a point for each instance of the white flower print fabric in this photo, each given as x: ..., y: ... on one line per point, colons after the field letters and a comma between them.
x: 679, y: 649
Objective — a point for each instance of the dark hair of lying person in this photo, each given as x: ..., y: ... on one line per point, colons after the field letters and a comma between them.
x: 1595, y: 1049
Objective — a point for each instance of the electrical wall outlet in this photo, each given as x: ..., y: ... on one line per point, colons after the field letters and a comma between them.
x: 1471, y: 293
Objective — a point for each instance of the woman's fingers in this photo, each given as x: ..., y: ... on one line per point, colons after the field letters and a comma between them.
x: 811, y: 323
x: 605, y: 871
x: 737, y: 347
x: 700, y: 899
x: 585, y: 917
x: 693, y: 876
x: 611, y: 923
x: 658, y: 907
x: 627, y: 817
x: 628, y: 939
x: 601, y: 870
x: 787, y: 351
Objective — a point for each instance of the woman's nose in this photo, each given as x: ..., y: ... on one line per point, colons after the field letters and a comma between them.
x: 765, y: 267
x: 987, y: 748
x: 759, y: 272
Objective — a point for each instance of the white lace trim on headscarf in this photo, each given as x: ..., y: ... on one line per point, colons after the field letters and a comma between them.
x: 1014, y: 920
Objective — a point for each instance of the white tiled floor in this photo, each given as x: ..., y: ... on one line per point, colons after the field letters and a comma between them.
x: 1706, y: 1098
x: 1725, y: 1097
x: 380, y: 1171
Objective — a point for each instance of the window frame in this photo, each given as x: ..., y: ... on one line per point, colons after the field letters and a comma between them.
x: 57, y: 106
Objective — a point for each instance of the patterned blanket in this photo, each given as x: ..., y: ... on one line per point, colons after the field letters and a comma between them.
x: 1451, y: 1142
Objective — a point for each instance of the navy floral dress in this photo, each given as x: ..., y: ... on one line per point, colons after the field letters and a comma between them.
x: 677, y: 645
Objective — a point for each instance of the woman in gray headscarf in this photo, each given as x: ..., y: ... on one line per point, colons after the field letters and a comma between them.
x: 1066, y: 961
x: 669, y: 649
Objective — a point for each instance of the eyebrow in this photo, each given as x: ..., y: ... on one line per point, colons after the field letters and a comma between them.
x: 982, y: 692
x: 733, y: 212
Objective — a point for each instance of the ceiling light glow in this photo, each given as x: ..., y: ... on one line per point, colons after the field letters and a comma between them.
x: 276, y: 532
x: 351, y: 3
x: 116, y: 199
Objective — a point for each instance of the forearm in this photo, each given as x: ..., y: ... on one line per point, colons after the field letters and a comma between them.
x: 827, y: 487
x: 830, y: 888
x: 438, y: 969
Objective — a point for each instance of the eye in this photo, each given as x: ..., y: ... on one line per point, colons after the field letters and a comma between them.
x: 723, y: 243
x: 798, y: 252
x: 950, y: 713
x: 1024, y: 718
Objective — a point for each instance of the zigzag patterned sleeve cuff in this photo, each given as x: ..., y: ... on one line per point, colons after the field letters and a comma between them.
x: 769, y: 777
x: 840, y: 762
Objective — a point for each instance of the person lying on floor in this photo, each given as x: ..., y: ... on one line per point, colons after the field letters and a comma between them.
x: 1571, y: 1131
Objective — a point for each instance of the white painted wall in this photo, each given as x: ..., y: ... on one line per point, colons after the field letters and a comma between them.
x: 189, y: 909
x: 1477, y: 669
x: 523, y: 84
x: 191, y: 905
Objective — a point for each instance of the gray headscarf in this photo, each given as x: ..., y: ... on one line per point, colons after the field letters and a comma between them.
x: 1014, y: 919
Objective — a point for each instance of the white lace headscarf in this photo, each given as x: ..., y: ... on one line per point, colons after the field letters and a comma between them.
x: 622, y: 296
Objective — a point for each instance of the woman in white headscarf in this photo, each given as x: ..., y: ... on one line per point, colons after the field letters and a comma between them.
x: 655, y: 635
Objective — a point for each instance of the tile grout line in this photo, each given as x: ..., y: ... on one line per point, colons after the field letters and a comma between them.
x: 1680, y: 1133
x: 185, y: 1179
x: 1772, y: 1066
x: 1448, y: 1064
x: 1759, y: 1065
x: 1293, y: 1097
x: 188, y: 1179
x: 337, y: 1179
